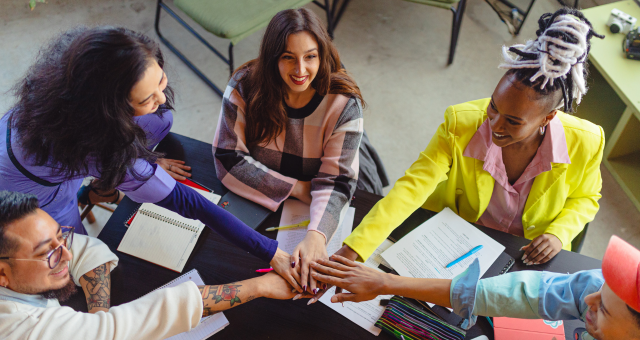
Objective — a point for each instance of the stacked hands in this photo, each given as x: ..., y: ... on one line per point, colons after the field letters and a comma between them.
x: 311, y: 276
x: 314, y: 273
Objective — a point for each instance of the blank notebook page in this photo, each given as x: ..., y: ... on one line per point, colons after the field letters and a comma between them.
x: 162, y: 236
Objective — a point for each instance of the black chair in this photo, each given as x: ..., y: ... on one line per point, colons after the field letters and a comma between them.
x: 578, y: 241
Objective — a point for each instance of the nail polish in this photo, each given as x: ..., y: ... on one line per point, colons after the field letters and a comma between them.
x: 304, y: 288
x: 324, y: 286
x: 315, y: 291
x: 522, y: 248
x: 524, y: 257
x: 293, y: 264
x: 311, y: 301
x: 296, y: 297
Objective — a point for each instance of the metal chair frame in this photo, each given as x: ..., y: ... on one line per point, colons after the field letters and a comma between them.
x: 334, y: 13
x: 458, y: 12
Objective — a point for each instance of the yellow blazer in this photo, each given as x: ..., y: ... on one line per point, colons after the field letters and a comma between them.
x: 561, y: 200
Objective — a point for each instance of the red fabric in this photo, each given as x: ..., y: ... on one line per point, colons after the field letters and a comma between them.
x: 621, y: 271
x: 193, y: 184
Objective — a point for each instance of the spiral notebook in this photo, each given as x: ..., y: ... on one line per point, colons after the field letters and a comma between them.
x: 209, y: 325
x: 162, y: 236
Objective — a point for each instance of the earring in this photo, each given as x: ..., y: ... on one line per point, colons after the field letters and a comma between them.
x: 542, y: 129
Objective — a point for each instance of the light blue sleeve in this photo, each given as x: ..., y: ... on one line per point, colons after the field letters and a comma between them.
x: 525, y: 294
x: 562, y: 295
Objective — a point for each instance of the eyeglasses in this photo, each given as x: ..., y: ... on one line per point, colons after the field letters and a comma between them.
x: 53, y: 257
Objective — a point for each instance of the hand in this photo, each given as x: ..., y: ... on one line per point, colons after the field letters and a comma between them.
x: 99, y: 196
x: 362, y: 282
x: 542, y: 249
x: 302, y: 191
x: 311, y: 248
x: 345, y: 252
x: 281, y: 264
x: 175, y: 168
x: 274, y: 286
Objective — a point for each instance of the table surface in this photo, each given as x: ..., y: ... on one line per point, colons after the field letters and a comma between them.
x: 606, y: 54
x: 219, y: 261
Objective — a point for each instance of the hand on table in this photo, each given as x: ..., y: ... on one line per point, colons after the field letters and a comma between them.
x: 362, y: 282
x: 281, y: 264
x: 345, y: 252
x: 175, y: 168
x: 542, y: 249
x: 312, y: 248
x: 302, y: 191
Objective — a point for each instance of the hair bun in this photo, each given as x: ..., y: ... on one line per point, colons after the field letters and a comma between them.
x: 559, y: 52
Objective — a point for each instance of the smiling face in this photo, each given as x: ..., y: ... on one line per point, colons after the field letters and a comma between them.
x: 147, y: 94
x: 516, y: 112
x: 35, y: 235
x: 299, y: 63
x: 608, y: 317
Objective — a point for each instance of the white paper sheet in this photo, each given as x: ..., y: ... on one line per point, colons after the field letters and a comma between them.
x: 208, y: 325
x: 364, y: 314
x: 294, y: 212
x: 425, y: 252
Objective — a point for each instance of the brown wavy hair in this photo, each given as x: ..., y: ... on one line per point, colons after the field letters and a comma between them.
x: 264, y: 89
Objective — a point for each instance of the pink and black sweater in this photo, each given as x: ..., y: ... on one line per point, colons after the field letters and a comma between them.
x: 320, y: 144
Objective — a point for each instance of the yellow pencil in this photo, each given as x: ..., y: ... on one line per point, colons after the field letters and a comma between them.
x: 297, y: 225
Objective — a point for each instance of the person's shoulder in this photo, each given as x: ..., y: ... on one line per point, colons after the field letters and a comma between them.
x: 466, y: 117
x: 580, y: 132
x: 235, y: 91
x: 579, y: 125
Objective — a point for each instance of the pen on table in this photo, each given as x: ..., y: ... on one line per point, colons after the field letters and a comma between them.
x: 471, y: 252
x: 266, y: 270
x: 291, y: 226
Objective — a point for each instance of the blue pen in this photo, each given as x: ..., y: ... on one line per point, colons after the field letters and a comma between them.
x: 471, y: 252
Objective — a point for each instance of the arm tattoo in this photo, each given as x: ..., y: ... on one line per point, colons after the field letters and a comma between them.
x: 98, y: 287
x: 217, y: 294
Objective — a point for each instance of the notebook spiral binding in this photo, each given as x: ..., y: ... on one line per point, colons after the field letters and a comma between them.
x: 167, y: 220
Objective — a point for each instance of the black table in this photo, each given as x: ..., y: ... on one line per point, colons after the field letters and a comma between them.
x: 219, y: 261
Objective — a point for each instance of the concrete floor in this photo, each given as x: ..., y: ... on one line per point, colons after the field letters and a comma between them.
x: 395, y: 50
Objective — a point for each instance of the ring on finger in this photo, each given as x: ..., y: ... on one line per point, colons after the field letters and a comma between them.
x: 170, y: 165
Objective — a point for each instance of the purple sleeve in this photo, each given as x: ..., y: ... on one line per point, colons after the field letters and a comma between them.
x: 188, y: 203
x: 156, y: 125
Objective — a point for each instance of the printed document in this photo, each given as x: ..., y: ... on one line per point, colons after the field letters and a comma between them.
x: 425, y: 252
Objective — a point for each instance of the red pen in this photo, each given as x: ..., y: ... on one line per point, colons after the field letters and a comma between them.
x: 266, y: 270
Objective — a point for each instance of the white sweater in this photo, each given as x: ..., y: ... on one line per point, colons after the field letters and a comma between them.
x: 158, y: 315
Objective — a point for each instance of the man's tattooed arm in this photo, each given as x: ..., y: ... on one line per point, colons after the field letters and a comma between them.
x: 222, y: 297
x: 228, y: 295
x: 96, y: 285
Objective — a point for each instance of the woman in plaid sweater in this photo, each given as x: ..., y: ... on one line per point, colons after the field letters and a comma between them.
x: 291, y: 125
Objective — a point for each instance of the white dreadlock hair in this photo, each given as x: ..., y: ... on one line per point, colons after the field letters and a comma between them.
x: 557, y: 57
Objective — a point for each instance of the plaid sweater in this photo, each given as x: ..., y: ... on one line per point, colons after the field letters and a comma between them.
x: 319, y: 143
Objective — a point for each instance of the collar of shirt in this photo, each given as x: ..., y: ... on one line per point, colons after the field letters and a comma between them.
x: 552, y: 150
x: 29, y: 299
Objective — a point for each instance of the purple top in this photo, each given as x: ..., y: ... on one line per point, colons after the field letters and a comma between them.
x: 59, y: 198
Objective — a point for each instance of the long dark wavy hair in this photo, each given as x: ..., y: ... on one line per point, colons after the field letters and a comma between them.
x: 264, y: 89
x: 73, y: 106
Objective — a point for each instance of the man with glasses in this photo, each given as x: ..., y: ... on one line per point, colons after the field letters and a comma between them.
x: 41, y: 263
